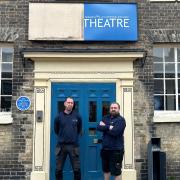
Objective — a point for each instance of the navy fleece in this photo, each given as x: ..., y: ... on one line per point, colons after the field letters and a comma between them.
x: 68, y: 127
x: 113, y: 139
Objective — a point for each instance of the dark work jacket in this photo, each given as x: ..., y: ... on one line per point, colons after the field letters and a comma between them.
x: 113, y: 139
x: 68, y: 127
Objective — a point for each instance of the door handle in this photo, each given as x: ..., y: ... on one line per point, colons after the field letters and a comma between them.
x: 97, y: 141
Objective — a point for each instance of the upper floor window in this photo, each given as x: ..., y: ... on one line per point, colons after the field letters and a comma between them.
x: 6, y: 67
x: 166, y: 78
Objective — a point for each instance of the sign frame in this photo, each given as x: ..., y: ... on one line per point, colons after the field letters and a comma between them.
x: 110, y: 22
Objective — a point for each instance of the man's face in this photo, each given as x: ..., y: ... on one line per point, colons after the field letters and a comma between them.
x: 114, y: 109
x: 69, y: 103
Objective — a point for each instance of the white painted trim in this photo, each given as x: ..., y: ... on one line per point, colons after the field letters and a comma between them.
x: 129, y: 174
x: 6, y: 118
x: 127, y: 107
x: 166, y: 116
x: 58, y: 71
x: 116, y: 55
x: 38, y: 175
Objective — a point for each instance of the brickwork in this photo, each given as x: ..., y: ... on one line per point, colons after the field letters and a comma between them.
x: 158, y: 23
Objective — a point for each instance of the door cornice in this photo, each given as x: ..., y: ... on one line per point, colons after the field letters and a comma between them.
x: 77, y: 54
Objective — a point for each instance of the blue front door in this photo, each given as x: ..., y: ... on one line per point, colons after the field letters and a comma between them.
x: 92, y: 100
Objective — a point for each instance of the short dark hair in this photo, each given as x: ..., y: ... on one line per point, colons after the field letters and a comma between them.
x: 69, y: 97
x: 115, y: 103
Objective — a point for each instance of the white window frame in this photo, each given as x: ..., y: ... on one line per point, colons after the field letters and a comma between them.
x: 166, y: 115
x: 5, y: 117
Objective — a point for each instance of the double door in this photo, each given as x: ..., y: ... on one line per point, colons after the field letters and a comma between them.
x: 92, y: 101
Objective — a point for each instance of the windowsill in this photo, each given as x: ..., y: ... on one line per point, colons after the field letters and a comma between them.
x: 6, y: 118
x: 166, y: 116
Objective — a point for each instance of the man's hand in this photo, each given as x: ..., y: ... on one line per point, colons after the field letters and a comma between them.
x: 110, y: 127
x: 102, y: 123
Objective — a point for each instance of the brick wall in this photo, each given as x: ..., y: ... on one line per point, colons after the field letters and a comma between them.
x: 158, y: 22
x: 16, y: 139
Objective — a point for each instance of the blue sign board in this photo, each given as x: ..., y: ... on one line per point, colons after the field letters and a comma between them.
x: 106, y: 22
x: 23, y: 103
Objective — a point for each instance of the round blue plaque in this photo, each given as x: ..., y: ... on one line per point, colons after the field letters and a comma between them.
x: 23, y: 103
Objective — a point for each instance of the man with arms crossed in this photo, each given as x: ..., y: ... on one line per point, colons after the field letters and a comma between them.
x: 112, y: 126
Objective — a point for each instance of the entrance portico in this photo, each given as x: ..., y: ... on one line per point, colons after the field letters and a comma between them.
x: 80, y: 67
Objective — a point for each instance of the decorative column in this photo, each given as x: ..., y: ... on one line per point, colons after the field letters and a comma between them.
x: 38, y: 169
x: 127, y: 110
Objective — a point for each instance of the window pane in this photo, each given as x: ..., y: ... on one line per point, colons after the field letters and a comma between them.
x: 158, y: 70
x: 6, y: 67
x: 105, y: 108
x: 170, y: 103
x: 6, y: 71
x: 7, y: 54
x: 76, y: 106
x: 6, y: 87
x: 92, y: 111
x: 5, y: 104
x: 170, y: 86
x: 158, y: 54
x: 170, y: 70
x: 178, y: 85
x: 169, y: 54
x: 158, y: 102
x: 178, y: 54
x: 158, y: 86
x: 60, y: 106
x: 92, y: 131
x: 6, y: 75
x: 178, y: 102
x: 178, y: 70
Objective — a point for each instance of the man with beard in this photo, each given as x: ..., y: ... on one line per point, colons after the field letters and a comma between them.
x: 112, y: 126
x: 68, y: 126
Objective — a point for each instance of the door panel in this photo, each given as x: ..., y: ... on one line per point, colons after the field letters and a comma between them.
x: 92, y: 100
x: 96, y: 95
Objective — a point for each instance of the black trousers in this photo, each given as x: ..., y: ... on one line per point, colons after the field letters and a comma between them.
x: 62, y: 151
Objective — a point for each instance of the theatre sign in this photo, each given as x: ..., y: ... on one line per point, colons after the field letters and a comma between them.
x: 83, y: 22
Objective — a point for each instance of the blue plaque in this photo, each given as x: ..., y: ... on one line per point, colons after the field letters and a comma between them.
x: 23, y: 103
